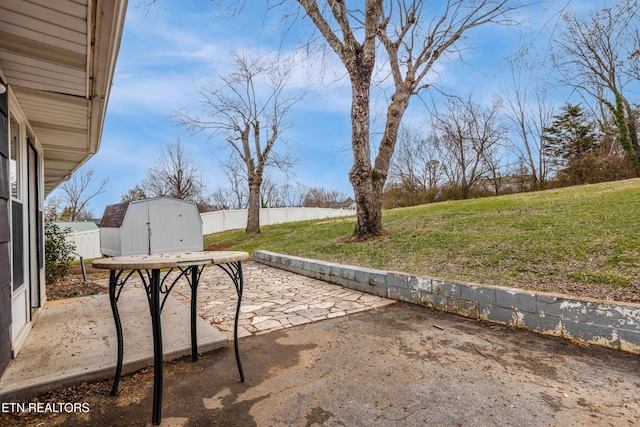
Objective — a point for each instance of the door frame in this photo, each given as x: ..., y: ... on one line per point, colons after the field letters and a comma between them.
x: 34, y: 218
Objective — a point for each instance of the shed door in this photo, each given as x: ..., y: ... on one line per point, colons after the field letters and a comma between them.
x: 167, y: 227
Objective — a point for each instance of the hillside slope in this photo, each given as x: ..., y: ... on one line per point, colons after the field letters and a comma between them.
x: 583, y: 241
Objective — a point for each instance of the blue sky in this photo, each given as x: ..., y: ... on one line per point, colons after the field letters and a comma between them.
x: 169, y: 48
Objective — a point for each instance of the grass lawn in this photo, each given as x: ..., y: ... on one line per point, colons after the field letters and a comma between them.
x: 582, y: 240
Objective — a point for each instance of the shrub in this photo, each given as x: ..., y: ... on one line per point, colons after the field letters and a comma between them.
x: 58, y: 252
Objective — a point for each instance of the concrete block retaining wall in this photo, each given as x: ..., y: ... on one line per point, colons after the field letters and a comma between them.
x: 614, y: 325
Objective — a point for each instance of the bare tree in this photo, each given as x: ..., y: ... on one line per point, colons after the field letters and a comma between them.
x: 598, y: 57
x: 466, y: 135
x: 248, y: 109
x: 53, y: 208
x: 496, y: 170
x: 174, y: 174
x: 221, y: 200
x: 634, y: 57
x: 281, y: 195
x: 415, y: 36
x: 415, y: 164
x: 235, y: 194
x: 136, y: 193
x: 530, y: 111
x: 415, y: 173
x: 318, y: 197
x: 78, y: 192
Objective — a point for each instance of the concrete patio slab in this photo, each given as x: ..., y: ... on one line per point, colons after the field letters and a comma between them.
x: 401, y: 365
x: 74, y: 340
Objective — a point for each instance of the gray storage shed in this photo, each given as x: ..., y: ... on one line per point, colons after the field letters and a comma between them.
x: 151, y: 226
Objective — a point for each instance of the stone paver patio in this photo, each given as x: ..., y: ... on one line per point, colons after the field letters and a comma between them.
x: 273, y: 299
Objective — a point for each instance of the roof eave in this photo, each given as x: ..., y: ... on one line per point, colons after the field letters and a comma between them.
x: 107, y: 34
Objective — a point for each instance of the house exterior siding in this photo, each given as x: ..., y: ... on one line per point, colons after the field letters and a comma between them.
x: 49, y: 127
x: 5, y: 239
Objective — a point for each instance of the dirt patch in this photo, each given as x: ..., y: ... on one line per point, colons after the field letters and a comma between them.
x: 133, y: 389
x: 334, y: 221
x: 218, y: 247
x: 74, y: 286
x: 605, y: 293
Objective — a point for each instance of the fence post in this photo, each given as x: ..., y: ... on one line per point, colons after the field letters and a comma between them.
x: 84, y: 271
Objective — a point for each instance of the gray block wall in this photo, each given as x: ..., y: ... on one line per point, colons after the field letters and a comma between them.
x: 614, y: 325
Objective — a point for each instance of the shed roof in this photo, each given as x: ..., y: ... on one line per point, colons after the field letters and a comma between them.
x: 76, y: 226
x: 114, y: 215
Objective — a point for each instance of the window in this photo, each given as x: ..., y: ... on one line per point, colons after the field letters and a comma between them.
x: 14, y: 162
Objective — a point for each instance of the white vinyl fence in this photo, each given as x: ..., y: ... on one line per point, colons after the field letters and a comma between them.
x: 88, y: 242
x: 218, y: 221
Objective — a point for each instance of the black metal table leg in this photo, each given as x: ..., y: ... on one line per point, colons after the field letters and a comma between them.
x: 234, y: 270
x: 155, y: 289
x: 113, y: 279
x: 194, y: 301
x: 154, y: 305
x: 239, y: 286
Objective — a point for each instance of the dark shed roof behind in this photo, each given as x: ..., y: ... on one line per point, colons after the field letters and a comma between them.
x: 114, y: 215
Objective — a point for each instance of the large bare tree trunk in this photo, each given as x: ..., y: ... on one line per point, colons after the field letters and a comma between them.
x: 253, y: 207
x: 359, y: 59
x: 368, y: 182
x: 255, y: 175
x: 368, y: 201
x: 414, y: 42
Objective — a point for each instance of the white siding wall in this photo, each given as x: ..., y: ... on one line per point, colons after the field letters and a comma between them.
x: 109, y: 238
x: 218, y: 221
x: 87, y: 243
